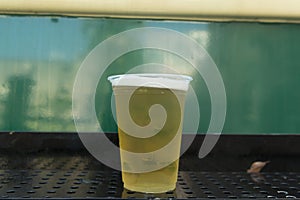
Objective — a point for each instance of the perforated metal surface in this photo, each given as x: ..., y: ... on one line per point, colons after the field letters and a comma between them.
x: 51, y: 165
x: 108, y: 184
x: 59, y: 175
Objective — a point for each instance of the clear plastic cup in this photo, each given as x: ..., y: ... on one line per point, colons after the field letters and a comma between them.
x: 149, y: 110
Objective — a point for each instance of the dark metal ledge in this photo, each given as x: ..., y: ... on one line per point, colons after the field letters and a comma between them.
x: 56, y: 165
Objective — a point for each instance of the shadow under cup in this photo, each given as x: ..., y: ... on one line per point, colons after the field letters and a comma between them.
x: 149, y: 109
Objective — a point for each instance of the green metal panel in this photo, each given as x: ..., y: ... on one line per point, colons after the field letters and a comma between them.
x: 40, y: 56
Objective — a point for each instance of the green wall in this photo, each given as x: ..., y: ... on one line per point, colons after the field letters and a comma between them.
x: 40, y: 56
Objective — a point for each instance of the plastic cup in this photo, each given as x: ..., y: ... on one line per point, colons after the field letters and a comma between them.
x: 149, y: 110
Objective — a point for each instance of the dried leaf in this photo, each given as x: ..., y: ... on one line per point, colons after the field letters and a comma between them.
x: 257, y: 166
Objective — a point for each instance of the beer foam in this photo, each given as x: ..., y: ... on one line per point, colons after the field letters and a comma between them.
x: 170, y: 81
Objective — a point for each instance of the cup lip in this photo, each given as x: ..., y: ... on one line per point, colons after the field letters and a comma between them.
x: 153, y: 75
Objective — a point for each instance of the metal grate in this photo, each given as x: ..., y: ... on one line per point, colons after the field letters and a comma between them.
x: 81, y: 176
x: 108, y: 184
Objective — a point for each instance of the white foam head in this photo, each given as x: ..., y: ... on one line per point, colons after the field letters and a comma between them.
x: 170, y: 81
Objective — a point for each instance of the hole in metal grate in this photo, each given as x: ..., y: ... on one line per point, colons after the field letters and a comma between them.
x: 10, y: 191
x: 226, y: 192
x: 111, y: 192
x: 77, y: 182
x: 188, y: 192
x: 199, y: 183
x: 91, y: 192
x: 211, y: 197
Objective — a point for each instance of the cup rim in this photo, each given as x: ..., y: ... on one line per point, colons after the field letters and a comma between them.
x: 152, y: 75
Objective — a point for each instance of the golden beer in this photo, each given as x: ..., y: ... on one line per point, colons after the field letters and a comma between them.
x: 140, y: 101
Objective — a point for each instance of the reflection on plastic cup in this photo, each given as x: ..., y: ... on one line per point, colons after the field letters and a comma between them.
x: 149, y: 109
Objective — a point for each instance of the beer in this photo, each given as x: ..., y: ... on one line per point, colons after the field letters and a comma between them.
x: 138, y: 100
